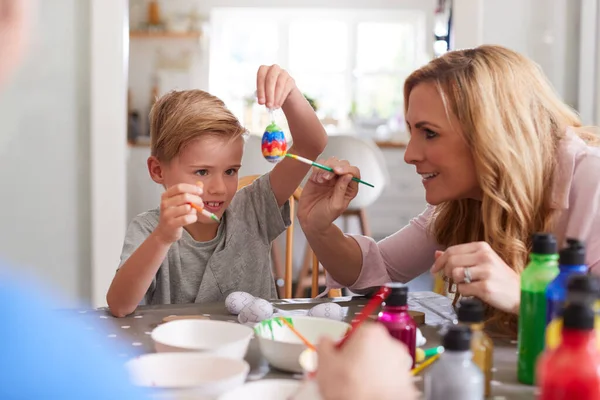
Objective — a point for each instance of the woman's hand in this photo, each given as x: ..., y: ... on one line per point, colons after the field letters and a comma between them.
x: 478, y: 271
x: 327, y: 195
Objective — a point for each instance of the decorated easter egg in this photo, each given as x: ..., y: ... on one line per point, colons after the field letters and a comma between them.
x: 256, y: 311
x: 237, y: 300
x: 327, y: 310
x: 274, y: 145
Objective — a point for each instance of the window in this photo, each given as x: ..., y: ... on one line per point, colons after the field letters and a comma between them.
x: 353, y: 63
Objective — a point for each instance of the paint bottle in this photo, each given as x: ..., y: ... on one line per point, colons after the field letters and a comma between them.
x: 537, y: 275
x: 454, y: 376
x: 471, y: 313
x: 572, y: 370
x: 582, y: 289
x: 571, y: 261
x: 395, y: 317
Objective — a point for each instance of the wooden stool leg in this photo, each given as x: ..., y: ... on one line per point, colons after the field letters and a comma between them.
x: 303, y: 276
x: 277, y: 266
x: 364, y: 222
x: 314, y: 292
x: 289, y: 235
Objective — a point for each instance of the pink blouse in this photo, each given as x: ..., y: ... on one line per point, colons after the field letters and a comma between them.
x: 575, y: 194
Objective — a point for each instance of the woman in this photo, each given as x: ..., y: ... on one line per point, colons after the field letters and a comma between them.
x: 501, y: 157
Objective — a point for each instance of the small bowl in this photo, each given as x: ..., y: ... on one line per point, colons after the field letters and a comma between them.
x: 274, y: 389
x: 219, y: 338
x: 282, y: 348
x: 186, y: 375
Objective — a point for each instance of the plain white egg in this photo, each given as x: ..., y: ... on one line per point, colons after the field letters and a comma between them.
x: 420, y: 338
x: 256, y: 311
x: 236, y: 301
x: 327, y: 310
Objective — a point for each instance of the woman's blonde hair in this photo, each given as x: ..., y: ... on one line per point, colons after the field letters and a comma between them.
x: 512, y: 120
x: 179, y: 117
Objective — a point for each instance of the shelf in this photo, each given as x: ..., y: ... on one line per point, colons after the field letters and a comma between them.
x: 386, y: 144
x: 164, y: 35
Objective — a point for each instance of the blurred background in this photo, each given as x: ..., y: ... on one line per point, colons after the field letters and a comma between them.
x: 74, y: 119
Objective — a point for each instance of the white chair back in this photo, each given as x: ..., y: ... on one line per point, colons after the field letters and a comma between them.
x: 368, y: 157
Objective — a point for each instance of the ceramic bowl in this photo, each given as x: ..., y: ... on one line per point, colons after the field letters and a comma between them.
x: 282, y: 348
x: 187, y: 375
x: 274, y: 389
x: 219, y: 338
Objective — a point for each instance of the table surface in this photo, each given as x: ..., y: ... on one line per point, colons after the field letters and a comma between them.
x: 131, y: 335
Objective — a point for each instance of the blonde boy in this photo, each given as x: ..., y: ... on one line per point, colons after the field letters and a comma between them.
x: 174, y: 254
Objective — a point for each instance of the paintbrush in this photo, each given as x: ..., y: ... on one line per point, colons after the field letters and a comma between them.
x: 371, y: 306
x: 204, y: 212
x: 300, y: 336
x: 323, y: 167
x: 424, y: 364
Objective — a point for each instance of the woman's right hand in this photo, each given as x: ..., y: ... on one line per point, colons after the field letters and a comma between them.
x: 327, y: 195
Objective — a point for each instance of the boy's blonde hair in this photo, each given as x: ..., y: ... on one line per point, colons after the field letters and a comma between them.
x: 179, y: 117
x: 512, y: 121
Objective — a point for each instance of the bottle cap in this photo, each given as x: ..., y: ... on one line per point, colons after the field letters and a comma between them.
x: 457, y: 338
x: 544, y: 243
x: 398, y: 295
x: 573, y: 254
x: 578, y: 316
x: 470, y: 311
x: 583, y: 288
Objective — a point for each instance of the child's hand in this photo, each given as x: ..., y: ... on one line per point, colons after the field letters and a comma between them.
x: 273, y: 86
x: 176, y: 212
x: 372, y: 365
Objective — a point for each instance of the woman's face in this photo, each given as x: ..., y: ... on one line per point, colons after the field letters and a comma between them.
x: 13, y: 34
x: 437, y: 148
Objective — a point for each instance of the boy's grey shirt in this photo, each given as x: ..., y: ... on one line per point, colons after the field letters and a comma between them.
x: 238, y: 258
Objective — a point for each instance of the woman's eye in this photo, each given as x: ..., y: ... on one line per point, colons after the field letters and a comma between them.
x: 429, y: 134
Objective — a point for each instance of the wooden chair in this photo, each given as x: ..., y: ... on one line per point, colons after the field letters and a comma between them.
x: 287, y: 274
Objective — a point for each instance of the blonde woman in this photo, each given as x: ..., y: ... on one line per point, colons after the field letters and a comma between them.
x: 501, y: 157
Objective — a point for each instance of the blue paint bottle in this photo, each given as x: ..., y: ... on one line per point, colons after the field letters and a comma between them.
x: 571, y: 261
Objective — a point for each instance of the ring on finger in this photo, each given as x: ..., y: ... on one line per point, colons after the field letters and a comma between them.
x: 468, y: 278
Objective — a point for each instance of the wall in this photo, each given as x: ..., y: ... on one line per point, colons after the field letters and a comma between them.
x: 45, y: 119
x: 545, y: 30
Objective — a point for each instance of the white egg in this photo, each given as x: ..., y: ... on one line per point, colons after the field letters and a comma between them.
x: 420, y: 338
x: 256, y: 311
x: 327, y: 310
x: 238, y: 300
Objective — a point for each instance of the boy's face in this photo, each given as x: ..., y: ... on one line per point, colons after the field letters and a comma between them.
x: 215, y: 162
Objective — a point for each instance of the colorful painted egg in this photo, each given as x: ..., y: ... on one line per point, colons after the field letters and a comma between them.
x: 274, y: 145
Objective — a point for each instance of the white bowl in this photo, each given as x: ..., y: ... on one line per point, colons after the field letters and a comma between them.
x: 188, y: 374
x: 282, y: 348
x: 218, y: 338
x: 274, y: 389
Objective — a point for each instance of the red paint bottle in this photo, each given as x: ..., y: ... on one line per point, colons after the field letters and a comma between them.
x: 572, y: 371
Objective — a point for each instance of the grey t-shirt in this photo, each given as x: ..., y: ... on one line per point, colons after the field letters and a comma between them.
x: 238, y: 258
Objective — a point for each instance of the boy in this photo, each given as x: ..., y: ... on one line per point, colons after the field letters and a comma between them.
x: 175, y: 254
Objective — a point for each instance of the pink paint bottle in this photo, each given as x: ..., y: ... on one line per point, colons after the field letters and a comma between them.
x: 394, y: 315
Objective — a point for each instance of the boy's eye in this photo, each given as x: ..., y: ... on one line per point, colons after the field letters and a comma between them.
x: 231, y: 172
x: 202, y: 172
x: 429, y: 134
